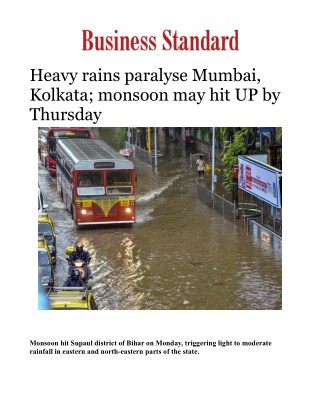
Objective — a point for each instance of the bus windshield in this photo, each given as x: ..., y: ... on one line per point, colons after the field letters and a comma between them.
x: 90, y: 183
x: 93, y: 182
x: 119, y: 181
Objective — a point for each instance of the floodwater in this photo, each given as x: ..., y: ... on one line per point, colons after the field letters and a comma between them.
x: 179, y: 254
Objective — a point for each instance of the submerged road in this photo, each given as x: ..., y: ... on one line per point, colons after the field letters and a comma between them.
x: 178, y: 255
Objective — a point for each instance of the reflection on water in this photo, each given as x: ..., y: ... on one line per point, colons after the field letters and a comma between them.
x: 178, y: 255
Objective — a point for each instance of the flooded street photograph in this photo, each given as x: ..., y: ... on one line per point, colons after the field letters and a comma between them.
x: 178, y: 255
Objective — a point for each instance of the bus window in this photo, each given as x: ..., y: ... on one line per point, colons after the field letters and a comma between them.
x: 90, y: 179
x: 122, y: 177
x: 119, y: 190
x: 90, y: 183
x: 119, y: 182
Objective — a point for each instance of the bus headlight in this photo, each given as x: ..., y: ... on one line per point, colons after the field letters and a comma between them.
x: 128, y: 210
x: 83, y: 212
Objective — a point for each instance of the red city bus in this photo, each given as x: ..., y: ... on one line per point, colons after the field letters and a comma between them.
x: 48, y: 143
x: 96, y: 183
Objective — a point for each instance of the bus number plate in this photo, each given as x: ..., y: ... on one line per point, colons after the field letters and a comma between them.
x: 87, y: 204
x: 124, y: 203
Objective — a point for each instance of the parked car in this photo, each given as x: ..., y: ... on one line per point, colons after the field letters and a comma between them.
x: 46, y: 227
x: 71, y: 298
x: 45, y: 267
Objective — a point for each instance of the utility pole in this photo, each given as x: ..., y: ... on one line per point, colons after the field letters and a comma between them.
x: 129, y: 136
x: 155, y: 151
x: 149, y: 140
x: 213, y: 176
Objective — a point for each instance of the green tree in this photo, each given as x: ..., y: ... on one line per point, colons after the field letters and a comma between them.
x: 234, y: 145
x: 279, y: 133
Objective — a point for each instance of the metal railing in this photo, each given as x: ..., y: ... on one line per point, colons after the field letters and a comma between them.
x: 218, y: 203
x: 264, y: 233
x: 249, y: 212
x: 140, y: 154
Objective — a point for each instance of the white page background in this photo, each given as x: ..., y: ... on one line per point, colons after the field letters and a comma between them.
x: 278, y: 39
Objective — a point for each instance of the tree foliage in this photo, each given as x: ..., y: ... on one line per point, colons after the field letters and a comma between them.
x: 234, y: 145
x: 279, y: 133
